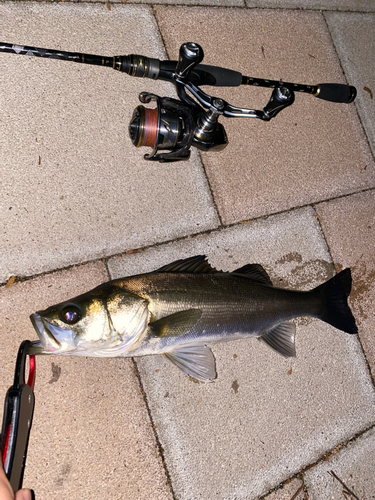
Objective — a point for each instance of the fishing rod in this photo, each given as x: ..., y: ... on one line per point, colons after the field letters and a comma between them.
x: 175, y: 125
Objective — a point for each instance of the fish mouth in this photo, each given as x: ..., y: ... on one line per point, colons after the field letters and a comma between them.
x: 47, y: 340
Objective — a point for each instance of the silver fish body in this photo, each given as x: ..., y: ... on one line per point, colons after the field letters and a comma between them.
x: 183, y: 306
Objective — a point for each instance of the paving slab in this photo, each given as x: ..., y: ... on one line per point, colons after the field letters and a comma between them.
x: 74, y: 188
x: 265, y: 417
x: 353, y: 465
x: 354, y: 38
x: 308, y: 144
x: 91, y: 434
x: 340, y: 5
x: 349, y: 227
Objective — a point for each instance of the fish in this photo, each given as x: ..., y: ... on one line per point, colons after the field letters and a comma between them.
x: 183, y: 306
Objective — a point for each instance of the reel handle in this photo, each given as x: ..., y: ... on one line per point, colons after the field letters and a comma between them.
x: 336, y: 92
x: 191, y: 54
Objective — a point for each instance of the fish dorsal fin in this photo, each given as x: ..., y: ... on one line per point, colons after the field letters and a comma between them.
x: 281, y: 339
x: 255, y: 272
x: 195, y: 360
x: 195, y: 265
x: 175, y: 324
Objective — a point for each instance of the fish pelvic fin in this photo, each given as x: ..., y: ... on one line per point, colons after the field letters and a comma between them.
x: 335, y: 309
x: 281, y: 339
x: 195, y: 360
x: 176, y: 324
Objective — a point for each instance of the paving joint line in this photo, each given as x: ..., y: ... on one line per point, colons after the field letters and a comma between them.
x: 372, y: 153
x: 323, y: 458
x: 336, y: 450
x: 340, y: 196
x: 284, y: 483
x: 216, y: 208
x: 153, y: 7
x: 222, y: 6
x: 105, y: 259
x: 105, y: 262
x: 211, y: 6
x: 154, y: 427
x: 159, y: 29
x: 200, y: 156
x: 372, y: 375
x: 153, y: 4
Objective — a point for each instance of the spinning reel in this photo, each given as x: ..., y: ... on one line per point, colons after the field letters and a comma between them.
x: 175, y: 125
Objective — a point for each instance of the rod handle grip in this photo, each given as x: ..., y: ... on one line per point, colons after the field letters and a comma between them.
x: 336, y: 92
x: 219, y: 77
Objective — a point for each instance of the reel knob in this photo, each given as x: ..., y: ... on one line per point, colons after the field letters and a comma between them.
x: 191, y: 54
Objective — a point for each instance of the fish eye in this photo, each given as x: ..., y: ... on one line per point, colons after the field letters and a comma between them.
x: 70, y: 315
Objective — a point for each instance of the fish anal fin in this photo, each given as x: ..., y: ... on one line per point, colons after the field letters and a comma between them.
x: 195, y: 360
x: 255, y: 272
x: 176, y: 324
x: 195, y: 265
x: 281, y: 339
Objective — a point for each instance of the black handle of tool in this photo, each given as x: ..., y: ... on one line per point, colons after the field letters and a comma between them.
x: 17, y: 419
x: 336, y: 92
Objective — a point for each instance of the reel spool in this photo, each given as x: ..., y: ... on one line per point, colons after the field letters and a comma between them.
x: 168, y: 127
x: 148, y: 127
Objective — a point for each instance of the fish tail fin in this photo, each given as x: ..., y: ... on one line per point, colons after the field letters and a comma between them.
x: 335, y: 309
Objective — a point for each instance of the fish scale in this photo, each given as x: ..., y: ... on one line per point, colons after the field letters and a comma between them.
x: 232, y: 302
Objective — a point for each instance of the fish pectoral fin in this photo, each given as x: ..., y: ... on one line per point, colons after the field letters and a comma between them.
x: 175, y: 324
x: 195, y: 360
x: 281, y: 339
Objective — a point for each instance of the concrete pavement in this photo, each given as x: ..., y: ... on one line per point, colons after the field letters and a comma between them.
x: 80, y: 206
